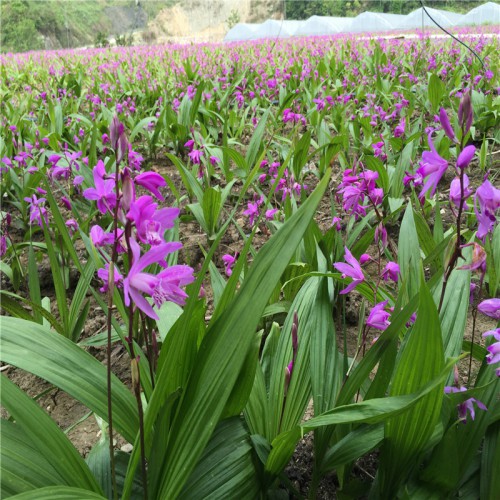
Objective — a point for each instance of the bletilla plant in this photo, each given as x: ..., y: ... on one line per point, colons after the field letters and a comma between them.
x: 367, y: 316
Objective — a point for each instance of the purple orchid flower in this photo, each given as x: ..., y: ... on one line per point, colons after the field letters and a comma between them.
x: 37, y: 210
x: 490, y: 307
x: 151, y: 223
x: 100, y: 238
x: 103, y: 273
x: 138, y: 282
x: 229, y: 262
x: 252, y: 212
x: 151, y: 181
x: 195, y: 156
x: 493, y: 349
x: 467, y: 405
x: 432, y: 168
x: 391, y: 271
x: 488, y: 199
x: 378, y: 317
x: 351, y: 269
x: 168, y: 287
x: 103, y: 193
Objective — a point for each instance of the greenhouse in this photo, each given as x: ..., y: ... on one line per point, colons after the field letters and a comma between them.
x: 374, y: 22
x: 318, y: 25
x: 488, y: 13
x: 418, y: 17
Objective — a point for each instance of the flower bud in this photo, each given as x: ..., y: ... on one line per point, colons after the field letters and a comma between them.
x: 465, y: 157
x: 465, y: 113
x: 445, y: 123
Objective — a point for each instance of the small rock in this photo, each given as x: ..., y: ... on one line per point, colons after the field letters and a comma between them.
x: 127, y: 448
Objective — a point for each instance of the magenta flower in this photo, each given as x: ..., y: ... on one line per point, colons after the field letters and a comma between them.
x: 138, y: 282
x: 493, y: 349
x: 378, y: 317
x: 135, y: 159
x: 103, y: 273
x: 400, y: 129
x: 151, y: 223
x: 467, y: 405
x: 168, y: 288
x: 195, y: 156
x: 352, y: 269
x: 103, y: 193
x: 229, y: 261
x: 151, y: 181
x: 488, y: 199
x: 456, y: 194
x: 252, y: 212
x: 432, y: 168
x: 101, y: 238
x: 72, y: 225
x: 391, y: 271
x: 490, y: 307
x: 37, y: 210
x: 271, y: 213
x: 3, y: 245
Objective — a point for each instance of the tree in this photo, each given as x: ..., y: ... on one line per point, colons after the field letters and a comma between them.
x: 233, y: 19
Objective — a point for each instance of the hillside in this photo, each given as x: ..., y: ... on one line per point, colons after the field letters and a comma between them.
x: 53, y: 24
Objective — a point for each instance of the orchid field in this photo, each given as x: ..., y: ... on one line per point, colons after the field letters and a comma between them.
x: 288, y: 239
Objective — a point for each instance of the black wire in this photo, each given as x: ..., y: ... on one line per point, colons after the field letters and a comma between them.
x: 452, y: 36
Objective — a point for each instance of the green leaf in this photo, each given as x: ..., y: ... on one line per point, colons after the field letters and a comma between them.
x: 453, y: 314
x: 59, y: 493
x: 220, y: 358
x: 358, y: 442
x: 421, y: 361
x: 168, y: 314
x: 23, y: 467
x: 435, y: 91
x: 99, y: 463
x: 37, y: 350
x: 256, y: 140
x: 212, y: 206
x: 409, y: 254
x: 46, y: 437
x: 75, y: 310
x: 59, y: 285
x: 490, y: 459
x: 226, y: 468
x: 372, y: 411
x: 34, y: 284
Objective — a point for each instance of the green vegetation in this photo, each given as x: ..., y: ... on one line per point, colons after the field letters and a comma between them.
x: 33, y: 25
x: 302, y: 9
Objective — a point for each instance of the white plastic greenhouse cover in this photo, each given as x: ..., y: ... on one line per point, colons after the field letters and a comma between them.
x: 241, y: 31
x: 376, y: 21
x: 276, y: 29
x: 318, y: 25
x: 365, y: 22
x: 443, y: 17
x: 486, y: 13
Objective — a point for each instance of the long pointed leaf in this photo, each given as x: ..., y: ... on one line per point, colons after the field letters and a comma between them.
x: 36, y: 349
x: 221, y: 357
x: 44, y: 434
